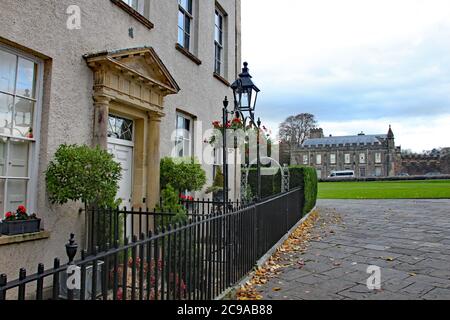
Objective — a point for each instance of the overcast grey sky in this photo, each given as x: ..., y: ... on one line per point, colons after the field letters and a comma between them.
x: 358, y: 65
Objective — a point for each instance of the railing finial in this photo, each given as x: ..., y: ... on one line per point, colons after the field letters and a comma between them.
x: 71, y: 248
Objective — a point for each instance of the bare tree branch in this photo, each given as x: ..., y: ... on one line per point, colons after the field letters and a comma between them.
x: 296, y: 129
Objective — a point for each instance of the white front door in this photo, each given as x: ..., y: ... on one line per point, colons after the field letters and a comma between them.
x: 123, y: 154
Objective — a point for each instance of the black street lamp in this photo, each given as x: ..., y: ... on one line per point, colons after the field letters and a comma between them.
x: 245, y: 93
x: 245, y: 96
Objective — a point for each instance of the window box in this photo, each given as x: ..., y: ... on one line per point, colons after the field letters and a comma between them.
x: 12, y: 228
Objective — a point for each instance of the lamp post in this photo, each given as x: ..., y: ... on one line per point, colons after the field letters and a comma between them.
x: 225, y: 153
x: 245, y: 96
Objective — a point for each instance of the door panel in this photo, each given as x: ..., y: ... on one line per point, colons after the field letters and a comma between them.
x: 124, y: 156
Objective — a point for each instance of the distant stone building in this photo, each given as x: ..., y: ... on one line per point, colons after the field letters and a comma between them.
x: 437, y: 161
x: 368, y: 155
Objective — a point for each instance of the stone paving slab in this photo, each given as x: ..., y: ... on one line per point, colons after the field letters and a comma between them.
x: 408, y: 239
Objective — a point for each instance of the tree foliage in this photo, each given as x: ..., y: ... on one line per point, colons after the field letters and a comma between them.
x: 296, y: 129
x: 81, y: 173
x: 184, y: 174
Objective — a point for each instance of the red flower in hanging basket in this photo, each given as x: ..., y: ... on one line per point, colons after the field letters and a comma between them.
x: 216, y: 124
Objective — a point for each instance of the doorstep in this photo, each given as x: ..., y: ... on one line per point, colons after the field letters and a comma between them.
x: 5, y: 240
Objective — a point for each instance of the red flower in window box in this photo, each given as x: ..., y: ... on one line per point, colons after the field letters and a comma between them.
x: 21, y: 209
x: 9, y: 216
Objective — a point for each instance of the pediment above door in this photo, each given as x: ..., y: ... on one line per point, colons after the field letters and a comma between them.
x: 136, y: 77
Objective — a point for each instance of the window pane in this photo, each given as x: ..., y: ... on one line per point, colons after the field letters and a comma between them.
x: 187, y: 41
x: 2, y: 157
x: 217, y: 35
x: 187, y: 148
x: 181, y: 37
x: 6, y: 106
x: 179, y: 147
x: 7, y: 71
x: 17, y: 194
x: 180, y: 122
x: 120, y: 128
x: 187, y: 124
x: 23, y: 117
x: 26, y: 78
x: 186, y: 4
x: 187, y: 25
x: 18, y: 166
x: 181, y: 19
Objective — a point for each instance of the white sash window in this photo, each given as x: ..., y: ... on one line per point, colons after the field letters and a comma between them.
x: 20, y: 95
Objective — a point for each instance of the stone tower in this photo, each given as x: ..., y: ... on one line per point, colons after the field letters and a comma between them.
x: 391, y: 156
x: 316, y: 133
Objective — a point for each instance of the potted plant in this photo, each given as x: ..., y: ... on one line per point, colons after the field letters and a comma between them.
x: 20, y: 222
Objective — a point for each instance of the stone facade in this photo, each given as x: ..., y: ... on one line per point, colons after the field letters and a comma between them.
x: 121, y: 61
x: 422, y: 164
x: 367, y: 155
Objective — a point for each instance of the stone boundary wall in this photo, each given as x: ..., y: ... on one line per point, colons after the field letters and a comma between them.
x: 413, y: 178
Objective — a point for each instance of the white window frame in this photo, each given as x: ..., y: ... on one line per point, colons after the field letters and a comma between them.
x: 378, y: 158
x: 187, y: 16
x: 33, y: 153
x: 380, y: 170
x: 305, y: 159
x: 137, y: 5
x: 347, y: 158
x: 191, y: 135
x: 362, y: 158
x: 219, y: 64
x: 333, y: 158
x: 318, y: 159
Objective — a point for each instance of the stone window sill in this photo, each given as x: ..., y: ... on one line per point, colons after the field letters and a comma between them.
x: 139, y: 17
x: 188, y: 54
x: 221, y: 79
x: 20, y: 238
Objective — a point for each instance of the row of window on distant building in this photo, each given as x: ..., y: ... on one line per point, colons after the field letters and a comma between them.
x: 186, y: 17
x: 347, y: 159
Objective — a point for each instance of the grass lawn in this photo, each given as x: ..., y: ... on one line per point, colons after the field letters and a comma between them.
x: 431, y: 189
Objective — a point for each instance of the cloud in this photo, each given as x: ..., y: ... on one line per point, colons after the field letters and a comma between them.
x: 352, y: 61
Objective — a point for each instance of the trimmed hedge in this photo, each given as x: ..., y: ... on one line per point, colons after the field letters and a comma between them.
x: 307, y: 178
x: 270, y: 185
x: 300, y: 176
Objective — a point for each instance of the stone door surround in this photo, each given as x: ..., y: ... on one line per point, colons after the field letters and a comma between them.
x: 133, y: 83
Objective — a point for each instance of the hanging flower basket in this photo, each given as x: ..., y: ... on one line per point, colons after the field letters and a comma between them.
x: 20, y: 223
x: 216, y: 140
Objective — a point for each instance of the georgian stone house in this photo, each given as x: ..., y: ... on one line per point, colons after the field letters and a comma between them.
x: 141, y: 78
x: 367, y: 155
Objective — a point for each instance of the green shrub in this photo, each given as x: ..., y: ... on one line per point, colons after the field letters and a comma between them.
x: 218, y: 182
x: 300, y: 176
x: 170, y: 203
x: 306, y: 177
x: 184, y: 174
x: 81, y: 173
x: 270, y: 185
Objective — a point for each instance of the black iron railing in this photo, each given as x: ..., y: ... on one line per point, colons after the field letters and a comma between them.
x: 116, y: 225
x: 195, y: 260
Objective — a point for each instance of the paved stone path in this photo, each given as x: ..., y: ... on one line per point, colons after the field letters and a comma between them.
x: 408, y: 239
